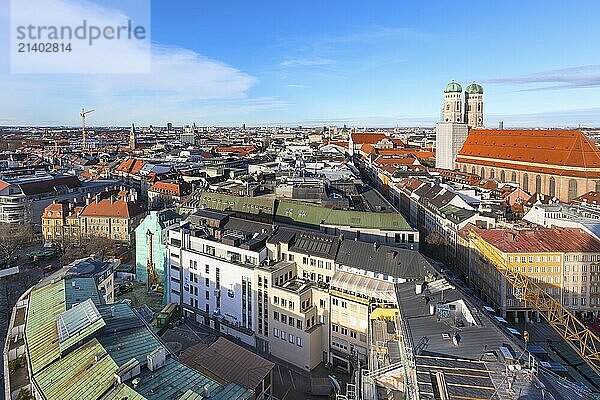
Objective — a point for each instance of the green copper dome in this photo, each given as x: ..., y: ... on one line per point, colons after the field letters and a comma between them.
x: 474, y: 88
x: 453, y: 87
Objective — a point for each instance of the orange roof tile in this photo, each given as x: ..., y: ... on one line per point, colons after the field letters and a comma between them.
x: 370, y: 138
x: 119, y: 208
x: 131, y: 166
x: 557, y: 152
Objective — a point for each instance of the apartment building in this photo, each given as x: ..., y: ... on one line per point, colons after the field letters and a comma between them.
x: 23, y: 198
x: 302, y: 296
x: 563, y: 261
x: 313, y: 252
x: 364, y: 280
x: 291, y: 321
x: 167, y: 194
x: 113, y: 215
x: 212, y: 258
x: 433, y: 208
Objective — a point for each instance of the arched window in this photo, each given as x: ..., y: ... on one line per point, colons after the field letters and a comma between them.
x: 492, y: 174
x: 526, y: 183
x: 598, y: 186
x: 538, y: 184
x: 502, y: 176
x: 572, y: 189
x: 464, y: 168
x: 457, y: 106
x: 482, y: 173
x: 552, y: 187
x: 473, y: 170
x: 513, y: 178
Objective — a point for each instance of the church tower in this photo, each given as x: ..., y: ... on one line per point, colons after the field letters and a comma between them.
x: 452, y: 109
x: 474, y: 105
x: 132, y: 138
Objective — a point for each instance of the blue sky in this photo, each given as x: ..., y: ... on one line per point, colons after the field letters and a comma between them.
x: 359, y: 63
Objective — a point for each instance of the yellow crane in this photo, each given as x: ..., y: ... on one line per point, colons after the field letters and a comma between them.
x: 83, y: 114
x: 153, y: 279
x: 585, y: 342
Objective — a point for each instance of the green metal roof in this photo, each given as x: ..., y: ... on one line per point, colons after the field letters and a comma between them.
x: 263, y: 205
x: 368, y: 220
x: 78, y: 375
x: 41, y: 333
x: 304, y: 214
x: 453, y: 87
x: 313, y: 215
x: 122, y: 392
x: 474, y: 88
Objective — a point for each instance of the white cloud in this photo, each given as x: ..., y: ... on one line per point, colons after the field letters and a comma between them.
x: 181, y: 84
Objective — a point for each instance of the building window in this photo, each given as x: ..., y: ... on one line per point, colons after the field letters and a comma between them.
x: 334, y: 328
x: 482, y: 173
x: 538, y: 184
x: 275, y: 315
x: 275, y: 332
x: 299, y: 341
x: 526, y: 182
x: 572, y: 189
x: 513, y: 177
x: 207, y: 295
x: 344, y: 331
x: 552, y: 188
x: 291, y: 338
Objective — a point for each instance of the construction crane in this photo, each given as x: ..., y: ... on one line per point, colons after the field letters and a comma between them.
x: 585, y: 342
x: 153, y: 280
x: 83, y: 114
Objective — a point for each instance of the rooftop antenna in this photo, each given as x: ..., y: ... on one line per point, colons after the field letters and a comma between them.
x: 83, y: 114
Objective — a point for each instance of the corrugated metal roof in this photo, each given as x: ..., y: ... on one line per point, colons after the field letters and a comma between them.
x: 78, y: 375
x: 41, y: 333
x: 228, y: 361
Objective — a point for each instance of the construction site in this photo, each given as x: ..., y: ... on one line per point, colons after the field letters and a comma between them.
x: 440, y: 341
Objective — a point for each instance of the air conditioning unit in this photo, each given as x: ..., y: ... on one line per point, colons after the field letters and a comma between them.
x: 156, y: 359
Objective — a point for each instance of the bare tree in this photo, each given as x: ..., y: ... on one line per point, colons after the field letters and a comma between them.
x: 14, y: 238
x: 102, y: 247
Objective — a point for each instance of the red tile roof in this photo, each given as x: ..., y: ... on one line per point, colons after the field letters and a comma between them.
x: 370, y: 138
x: 171, y: 188
x: 131, y: 166
x: 540, y: 240
x: 118, y: 208
x: 55, y: 211
x: 591, y: 198
x: 557, y: 152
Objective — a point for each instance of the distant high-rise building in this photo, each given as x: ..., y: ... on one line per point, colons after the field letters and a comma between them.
x: 169, y: 126
x: 132, y: 138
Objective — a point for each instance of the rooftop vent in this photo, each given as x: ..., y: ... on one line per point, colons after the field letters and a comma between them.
x: 156, y: 359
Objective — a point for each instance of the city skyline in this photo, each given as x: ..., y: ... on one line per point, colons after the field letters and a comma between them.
x: 269, y: 64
